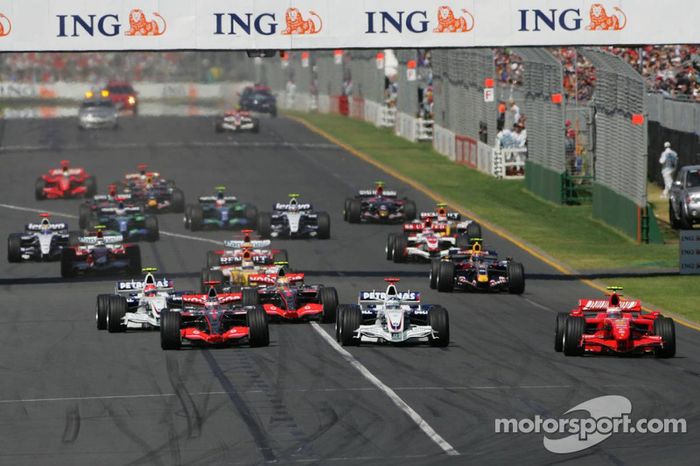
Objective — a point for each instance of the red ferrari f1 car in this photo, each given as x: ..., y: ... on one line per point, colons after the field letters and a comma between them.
x: 213, y: 319
x: 614, y: 326
x: 65, y: 182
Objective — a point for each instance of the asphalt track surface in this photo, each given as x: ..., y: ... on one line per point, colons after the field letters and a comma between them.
x: 72, y: 395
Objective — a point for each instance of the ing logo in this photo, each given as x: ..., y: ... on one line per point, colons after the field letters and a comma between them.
x: 601, y: 21
x: 140, y: 25
x: 296, y: 24
x: 449, y: 22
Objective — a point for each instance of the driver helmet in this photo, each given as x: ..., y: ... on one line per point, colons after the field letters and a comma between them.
x: 112, y: 190
x: 293, y: 207
x: 45, y: 225
x: 150, y: 289
x: 614, y: 312
x: 65, y: 169
x: 121, y: 209
x: 380, y: 190
x: 428, y: 223
x: 100, y: 242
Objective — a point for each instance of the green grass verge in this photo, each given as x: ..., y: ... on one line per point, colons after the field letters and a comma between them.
x: 569, y: 234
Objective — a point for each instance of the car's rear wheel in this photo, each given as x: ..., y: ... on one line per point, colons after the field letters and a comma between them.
x: 14, y: 248
x: 434, y: 271
x: 516, y: 278
x: 250, y: 297
x: 559, y: 331
x: 39, y: 186
x: 90, y: 186
x: 68, y: 257
x: 666, y: 329
x: 346, y: 209
x: 351, y: 321
x: 354, y: 211
x: 324, y: 225
x: 265, y: 225
x: 573, y: 334
x: 281, y: 256
x: 203, y: 279
x: 177, y: 201
x: 399, y: 252
x: 389, y: 248
x: 187, y: 219
x: 439, y: 321
x: 102, y: 311
x: 258, y: 330
x: 116, y: 313
x: 251, y: 215
x: 446, y: 277
x: 474, y: 230
x: 329, y: 300
x: 152, y: 231
x: 213, y: 259
x: 133, y: 254
x: 409, y: 210
x: 339, y: 320
x: 170, y: 324
x: 196, y: 218
x: 84, y: 214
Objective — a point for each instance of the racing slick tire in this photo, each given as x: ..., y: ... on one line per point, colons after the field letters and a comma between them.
x: 102, y: 311
x: 14, y: 247
x: 346, y: 209
x: 258, y: 330
x: 256, y: 126
x: 399, y: 250
x: 213, y: 259
x: 170, y: 338
x: 516, y: 278
x: 265, y: 225
x: 250, y: 297
x: 152, y: 231
x: 329, y: 300
x: 559, y: 330
x: 339, y: 319
x: 68, y: 256
x: 462, y: 241
x: 389, y: 248
x: 39, y: 186
x: 251, y: 214
x: 351, y: 321
x: 409, y: 210
x: 666, y: 329
x: 324, y: 225
x: 354, y: 209
x: 439, y: 320
x: 196, y: 218
x: 133, y: 254
x: 572, y: 336
x: 188, y: 216
x: 203, y: 278
x: 219, y: 127
x: 675, y: 223
x: 177, y: 201
x: 474, y: 230
x: 281, y: 256
x: 90, y: 186
x: 446, y: 277
x: 434, y: 271
x: 117, y: 311
x: 84, y: 214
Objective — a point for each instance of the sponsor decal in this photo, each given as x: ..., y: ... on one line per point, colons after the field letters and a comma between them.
x: 5, y: 25
x: 571, y: 19
x: 297, y: 24
x: 110, y: 25
x: 381, y: 296
x: 449, y: 22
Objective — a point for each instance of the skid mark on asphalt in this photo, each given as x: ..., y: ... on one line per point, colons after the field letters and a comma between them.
x: 396, y: 399
x: 72, y: 428
x: 194, y: 420
x: 65, y: 215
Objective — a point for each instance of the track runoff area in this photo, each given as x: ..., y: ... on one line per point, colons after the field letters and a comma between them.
x: 74, y: 395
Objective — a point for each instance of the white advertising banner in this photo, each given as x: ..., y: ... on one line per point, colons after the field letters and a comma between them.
x: 690, y: 252
x: 56, y: 25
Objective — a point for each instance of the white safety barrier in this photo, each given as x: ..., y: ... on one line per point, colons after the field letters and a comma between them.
x: 413, y: 129
x: 444, y: 141
x: 513, y: 161
x: 379, y: 115
x: 324, y: 103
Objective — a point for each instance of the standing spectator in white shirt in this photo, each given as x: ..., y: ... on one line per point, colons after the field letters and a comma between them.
x: 515, y: 111
x: 669, y: 162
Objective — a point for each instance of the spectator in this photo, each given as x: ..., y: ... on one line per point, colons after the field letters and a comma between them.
x: 515, y: 112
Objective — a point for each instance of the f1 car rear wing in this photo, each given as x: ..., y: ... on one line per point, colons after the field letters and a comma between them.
x: 590, y: 305
x: 373, y: 192
x: 202, y: 299
x: 271, y: 279
x: 421, y: 227
x: 130, y: 286
x: 134, y: 176
x: 238, y: 244
x: 285, y: 207
x: 52, y: 227
x: 434, y: 215
x: 108, y: 239
x: 214, y: 199
x: 128, y: 210
x: 107, y: 197
x: 70, y: 171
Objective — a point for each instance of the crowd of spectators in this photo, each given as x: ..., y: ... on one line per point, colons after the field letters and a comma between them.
x: 48, y: 68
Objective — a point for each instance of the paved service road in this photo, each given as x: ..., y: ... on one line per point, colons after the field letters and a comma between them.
x: 72, y: 395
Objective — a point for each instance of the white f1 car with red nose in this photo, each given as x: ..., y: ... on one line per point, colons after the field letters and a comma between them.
x: 237, y: 121
x: 136, y: 304
x: 392, y: 316
x: 43, y: 241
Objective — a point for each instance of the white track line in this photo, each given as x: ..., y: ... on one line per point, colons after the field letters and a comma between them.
x: 168, y: 145
x: 61, y: 214
x: 400, y: 403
